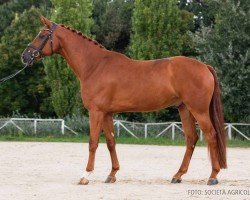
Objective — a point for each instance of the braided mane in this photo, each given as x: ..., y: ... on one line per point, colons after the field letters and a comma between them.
x: 83, y: 36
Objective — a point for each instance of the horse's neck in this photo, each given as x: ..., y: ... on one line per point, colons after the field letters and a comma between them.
x: 82, y: 55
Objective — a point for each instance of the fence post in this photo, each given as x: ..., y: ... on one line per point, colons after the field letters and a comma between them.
x: 62, y: 126
x: 173, y: 131
x: 35, y: 126
x: 146, y: 130
x: 229, y: 131
x: 118, y: 128
x: 201, y: 135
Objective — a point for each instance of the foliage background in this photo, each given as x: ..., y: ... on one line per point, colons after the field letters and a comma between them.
x: 216, y: 32
x: 65, y: 88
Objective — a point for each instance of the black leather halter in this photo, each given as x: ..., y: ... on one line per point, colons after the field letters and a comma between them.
x: 38, y: 50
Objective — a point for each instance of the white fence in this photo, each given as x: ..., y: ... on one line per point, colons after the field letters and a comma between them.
x: 137, y: 130
x: 173, y: 128
x: 35, y: 122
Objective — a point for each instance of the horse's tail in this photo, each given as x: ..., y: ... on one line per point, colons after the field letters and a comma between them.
x: 217, y: 118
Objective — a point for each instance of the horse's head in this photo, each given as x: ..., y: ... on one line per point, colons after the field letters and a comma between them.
x: 44, y: 44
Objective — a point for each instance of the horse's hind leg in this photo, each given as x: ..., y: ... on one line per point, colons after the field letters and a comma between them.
x: 108, y: 128
x: 188, y: 124
x: 207, y: 128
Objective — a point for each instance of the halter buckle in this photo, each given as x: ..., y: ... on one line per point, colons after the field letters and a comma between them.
x: 36, y: 54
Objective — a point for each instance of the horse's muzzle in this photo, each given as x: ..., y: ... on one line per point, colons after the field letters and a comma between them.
x: 27, y: 58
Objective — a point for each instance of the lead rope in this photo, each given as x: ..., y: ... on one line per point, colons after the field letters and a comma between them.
x: 13, y: 75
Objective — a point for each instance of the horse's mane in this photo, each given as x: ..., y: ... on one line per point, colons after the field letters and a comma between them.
x: 83, y: 36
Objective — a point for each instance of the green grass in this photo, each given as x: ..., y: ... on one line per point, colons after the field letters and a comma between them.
x: 120, y: 140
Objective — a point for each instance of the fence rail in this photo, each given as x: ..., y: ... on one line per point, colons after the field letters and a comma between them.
x: 172, y: 127
x: 35, y: 124
x: 135, y: 129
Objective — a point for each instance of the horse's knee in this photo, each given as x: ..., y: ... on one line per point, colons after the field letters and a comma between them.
x: 192, y: 140
x: 111, y: 145
x: 93, y: 146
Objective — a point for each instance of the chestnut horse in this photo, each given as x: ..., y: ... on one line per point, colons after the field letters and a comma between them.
x: 113, y: 83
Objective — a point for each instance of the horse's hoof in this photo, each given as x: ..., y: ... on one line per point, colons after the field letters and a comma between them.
x: 83, y: 181
x: 110, y: 179
x: 176, y: 180
x: 212, y: 181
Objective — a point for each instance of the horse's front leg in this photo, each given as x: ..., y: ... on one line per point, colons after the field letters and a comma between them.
x: 96, y: 121
x: 108, y: 128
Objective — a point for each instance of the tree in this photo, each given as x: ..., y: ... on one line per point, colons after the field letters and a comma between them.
x: 204, y: 11
x: 99, y: 8
x: 8, y: 9
x: 3, y: 1
x: 65, y: 89
x: 113, y: 23
x: 27, y: 92
x: 226, y: 47
x: 158, y: 29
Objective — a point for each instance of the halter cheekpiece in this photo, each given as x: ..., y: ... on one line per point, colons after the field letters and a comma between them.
x: 38, y: 50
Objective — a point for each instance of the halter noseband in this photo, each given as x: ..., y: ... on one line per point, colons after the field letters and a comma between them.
x: 38, y: 50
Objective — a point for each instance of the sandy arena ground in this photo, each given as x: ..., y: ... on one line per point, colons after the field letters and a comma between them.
x: 47, y: 171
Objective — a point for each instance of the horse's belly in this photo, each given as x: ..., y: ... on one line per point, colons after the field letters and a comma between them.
x: 144, y: 101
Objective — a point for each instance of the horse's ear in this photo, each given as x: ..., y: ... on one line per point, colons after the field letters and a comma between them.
x: 45, y: 21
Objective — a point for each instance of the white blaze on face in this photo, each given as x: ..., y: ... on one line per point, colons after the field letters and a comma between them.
x: 112, y: 134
